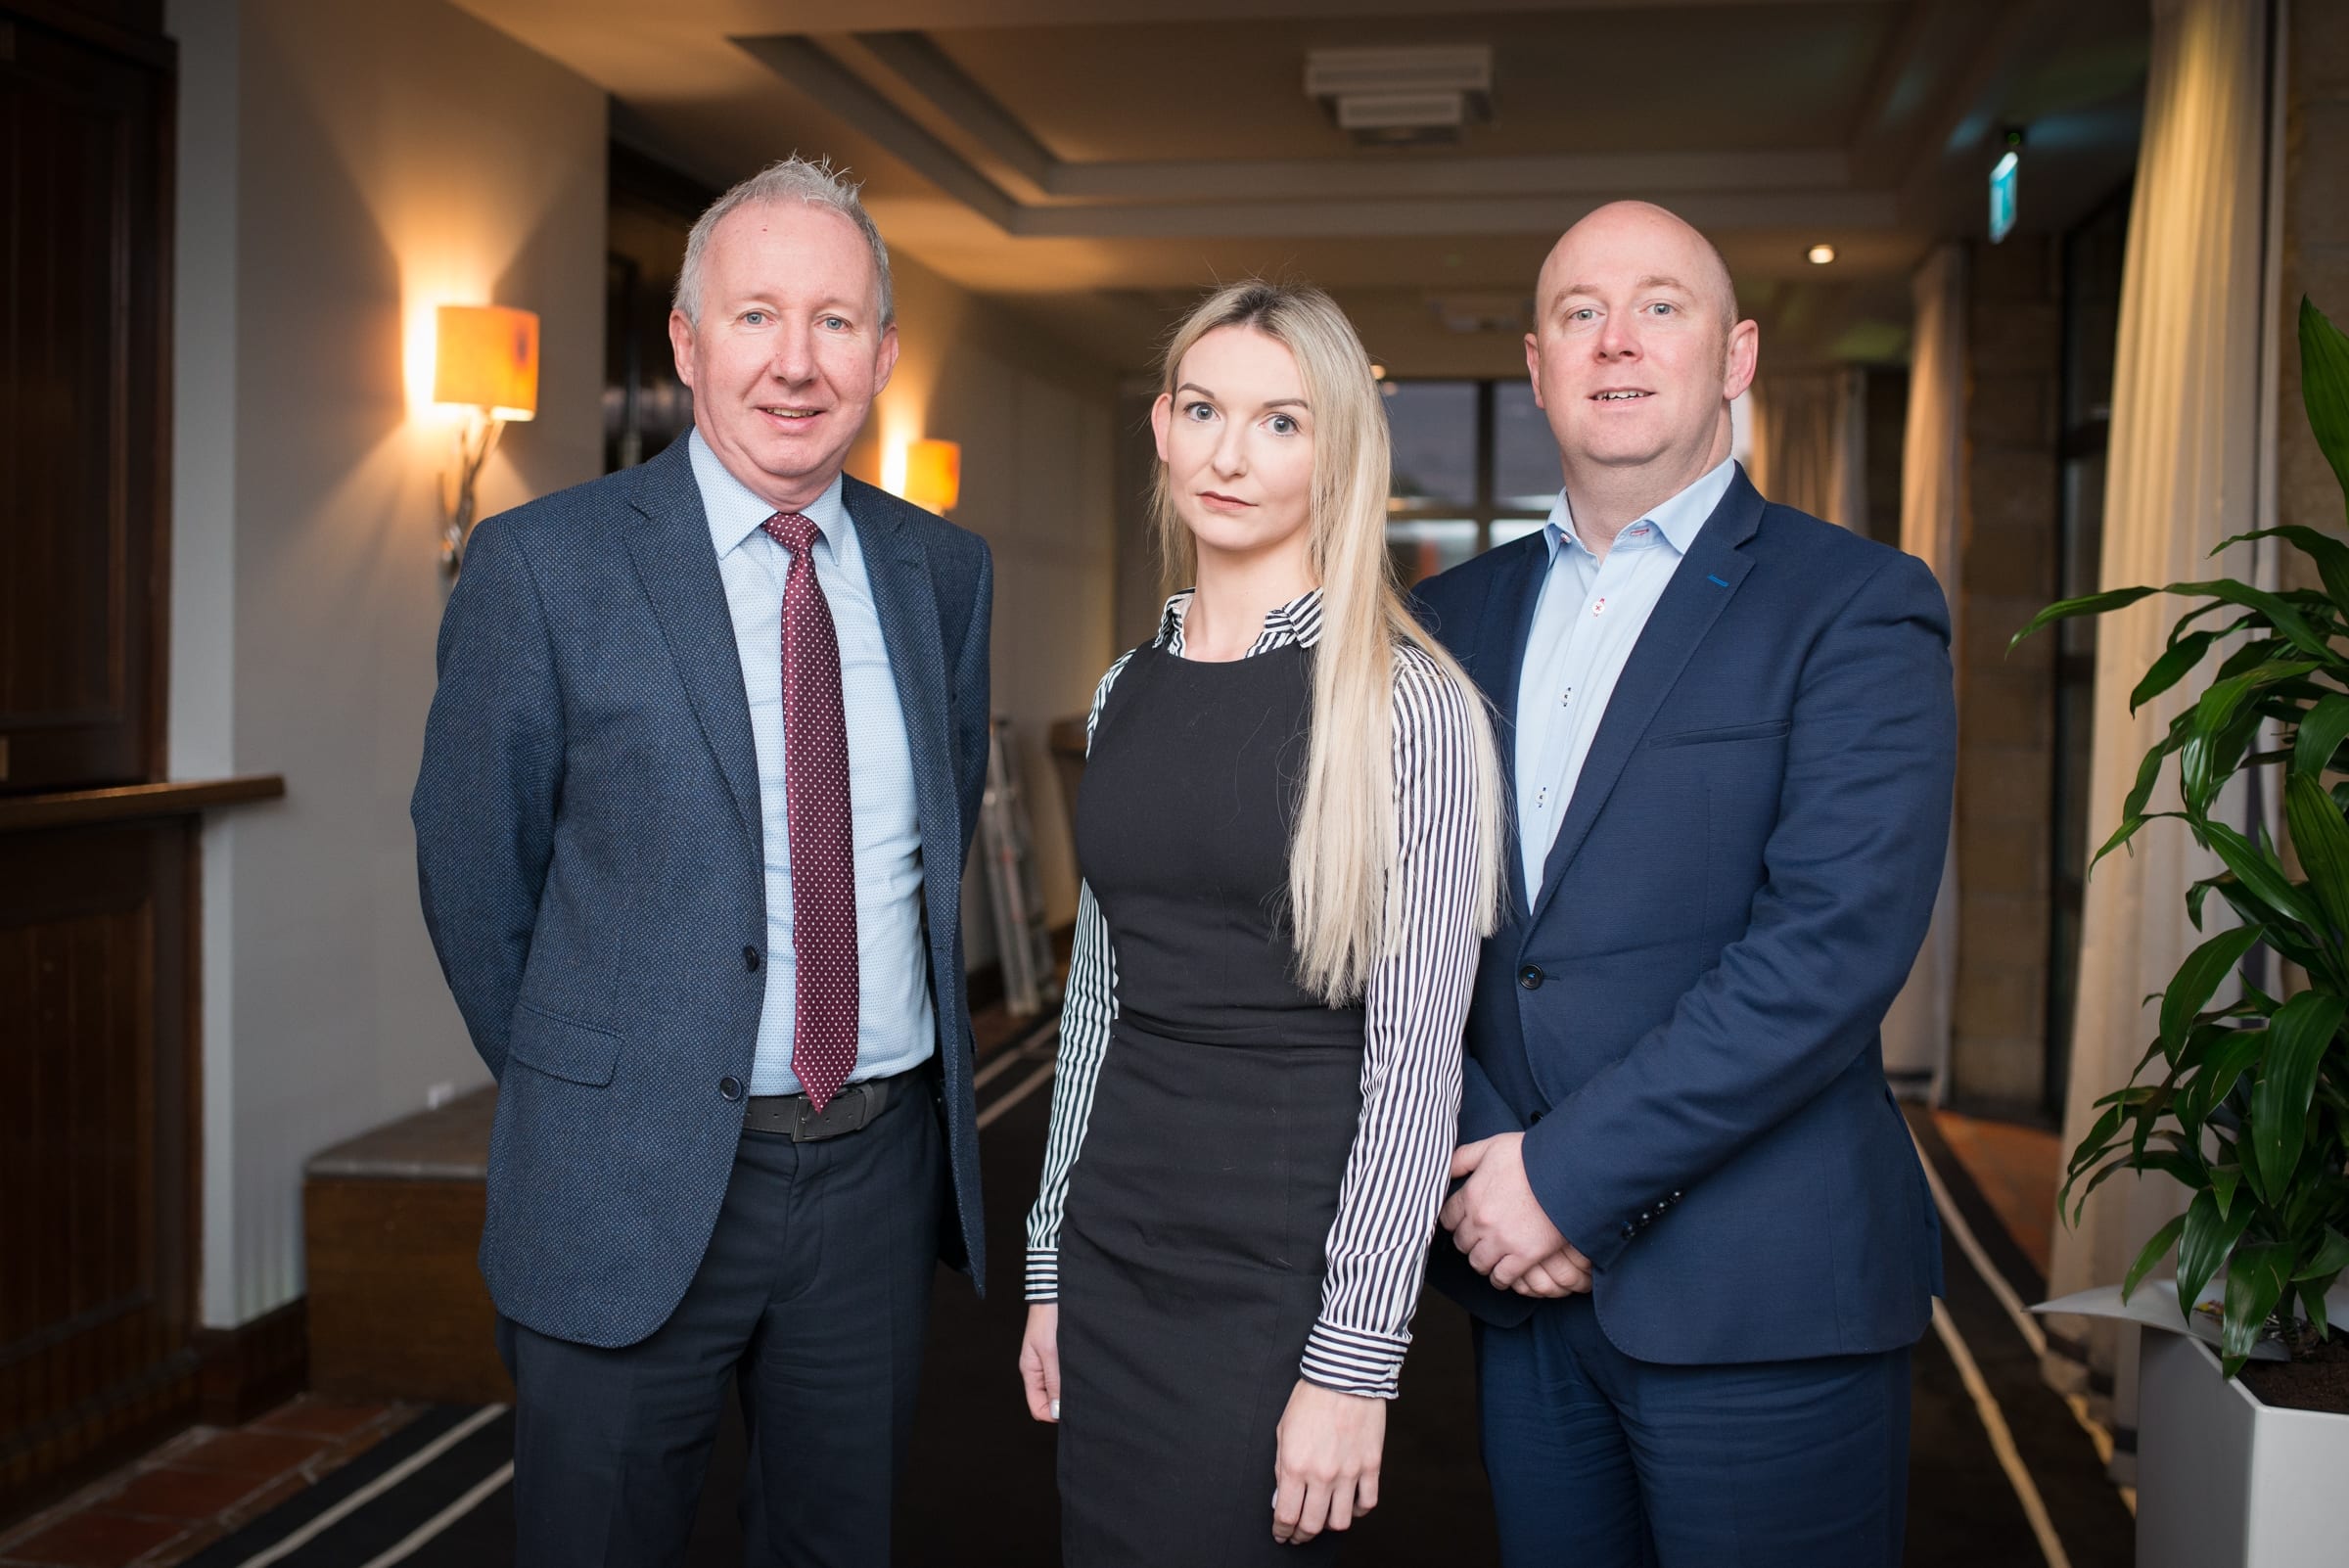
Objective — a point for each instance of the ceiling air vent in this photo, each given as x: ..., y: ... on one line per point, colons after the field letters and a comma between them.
x: 1403, y: 97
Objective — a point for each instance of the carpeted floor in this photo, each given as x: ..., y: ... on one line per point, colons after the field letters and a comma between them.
x: 2002, y: 1471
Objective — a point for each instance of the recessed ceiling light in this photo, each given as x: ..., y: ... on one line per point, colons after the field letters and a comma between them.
x: 1822, y: 254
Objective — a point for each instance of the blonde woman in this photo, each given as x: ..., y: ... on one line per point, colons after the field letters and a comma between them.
x: 1289, y: 831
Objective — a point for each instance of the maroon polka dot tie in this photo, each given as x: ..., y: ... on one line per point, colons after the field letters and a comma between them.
x: 823, y: 851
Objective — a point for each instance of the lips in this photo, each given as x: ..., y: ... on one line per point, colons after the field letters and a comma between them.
x: 776, y: 411
x: 1621, y: 394
x: 1217, y: 498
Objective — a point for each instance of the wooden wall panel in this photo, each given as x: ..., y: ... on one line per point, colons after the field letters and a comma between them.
x: 84, y: 280
x: 97, y: 1207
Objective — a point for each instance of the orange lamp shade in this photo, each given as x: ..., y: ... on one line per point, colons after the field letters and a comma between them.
x: 487, y: 357
x: 934, y: 475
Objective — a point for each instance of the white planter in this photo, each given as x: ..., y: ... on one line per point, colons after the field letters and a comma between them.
x: 2224, y: 1481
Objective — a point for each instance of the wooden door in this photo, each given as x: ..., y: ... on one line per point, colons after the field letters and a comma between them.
x: 97, y: 1097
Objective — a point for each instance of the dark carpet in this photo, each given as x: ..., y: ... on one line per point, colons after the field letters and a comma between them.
x: 982, y: 1491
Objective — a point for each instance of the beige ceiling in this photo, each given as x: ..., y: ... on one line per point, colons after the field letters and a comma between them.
x: 1095, y: 163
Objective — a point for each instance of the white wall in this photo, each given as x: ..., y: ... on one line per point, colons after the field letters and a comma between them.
x: 342, y: 169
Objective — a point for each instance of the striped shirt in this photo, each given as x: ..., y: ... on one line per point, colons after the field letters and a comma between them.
x: 1415, y: 1007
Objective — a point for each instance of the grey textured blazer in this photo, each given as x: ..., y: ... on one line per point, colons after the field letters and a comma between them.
x: 588, y: 844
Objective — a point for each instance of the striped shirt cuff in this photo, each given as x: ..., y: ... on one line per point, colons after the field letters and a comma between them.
x: 1043, y: 1273
x: 1352, y: 1360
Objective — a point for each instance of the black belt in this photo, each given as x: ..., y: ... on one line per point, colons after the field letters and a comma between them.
x: 853, y: 1109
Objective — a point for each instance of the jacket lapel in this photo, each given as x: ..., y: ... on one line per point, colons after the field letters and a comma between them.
x: 1699, y: 590
x: 899, y: 570
x: 680, y: 573
x: 1508, y: 622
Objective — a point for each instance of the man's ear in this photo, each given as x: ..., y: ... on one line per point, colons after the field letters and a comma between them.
x: 1161, y: 413
x: 886, y: 361
x: 1742, y: 359
x: 1533, y: 366
x: 680, y: 346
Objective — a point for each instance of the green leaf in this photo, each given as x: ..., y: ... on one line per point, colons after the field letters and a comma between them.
x: 2224, y: 1179
x: 2207, y: 1239
x: 2095, y: 604
x: 2322, y: 836
x: 2254, y: 1284
x: 2321, y: 734
x: 2287, y: 1081
x: 2330, y: 555
x: 2332, y: 1256
x: 2312, y: 1303
x: 2279, y: 614
x: 2324, y: 386
x: 2261, y: 877
x: 2201, y: 974
x: 2154, y: 1251
x: 2171, y: 668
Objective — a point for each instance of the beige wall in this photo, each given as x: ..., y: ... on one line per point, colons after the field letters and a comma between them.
x: 342, y: 169
x: 1033, y: 420
x: 2005, y: 699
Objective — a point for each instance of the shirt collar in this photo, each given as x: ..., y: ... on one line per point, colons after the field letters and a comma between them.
x: 1679, y: 518
x: 1299, y: 622
x: 735, y: 512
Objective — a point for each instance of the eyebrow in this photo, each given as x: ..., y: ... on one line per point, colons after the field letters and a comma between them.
x: 1277, y: 403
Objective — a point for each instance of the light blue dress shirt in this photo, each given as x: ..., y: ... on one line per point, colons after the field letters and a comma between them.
x: 1585, y: 623
x: 896, y: 1020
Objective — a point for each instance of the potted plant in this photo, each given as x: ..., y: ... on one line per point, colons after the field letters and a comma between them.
x: 2246, y: 1104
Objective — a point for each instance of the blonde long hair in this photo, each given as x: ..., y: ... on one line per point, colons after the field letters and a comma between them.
x: 1346, y: 849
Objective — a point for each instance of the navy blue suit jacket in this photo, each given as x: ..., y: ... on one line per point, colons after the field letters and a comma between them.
x: 588, y: 843
x: 1683, y: 1022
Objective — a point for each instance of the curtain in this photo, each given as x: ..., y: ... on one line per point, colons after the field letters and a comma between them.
x: 2184, y: 474
x: 1810, y: 444
x: 1916, y: 1032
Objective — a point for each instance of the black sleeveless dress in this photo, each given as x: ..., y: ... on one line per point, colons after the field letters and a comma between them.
x: 1192, y: 1252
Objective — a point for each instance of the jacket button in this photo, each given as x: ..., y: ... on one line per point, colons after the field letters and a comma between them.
x: 1534, y: 1119
x: 1530, y: 977
x: 750, y: 960
x: 1630, y: 1230
x: 730, y: 1087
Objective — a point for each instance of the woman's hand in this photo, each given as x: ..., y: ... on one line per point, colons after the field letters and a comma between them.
x: 1326, y: 1468
x: 1039, y: 1361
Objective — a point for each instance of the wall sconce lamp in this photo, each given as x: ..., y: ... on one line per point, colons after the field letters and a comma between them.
x: 485, y: 361
x: 934, y: 475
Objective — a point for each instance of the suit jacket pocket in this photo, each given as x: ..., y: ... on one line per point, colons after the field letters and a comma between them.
x: 1766, y: 729
x: 577, y: 1053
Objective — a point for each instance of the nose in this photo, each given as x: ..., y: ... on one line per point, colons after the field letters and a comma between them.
x: 1230, y: 457
x: 794, y: 358
x: 1618, y: 338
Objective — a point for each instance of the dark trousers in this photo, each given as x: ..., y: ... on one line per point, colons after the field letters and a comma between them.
x: 813, y: 1297
x: 1602, y: 1461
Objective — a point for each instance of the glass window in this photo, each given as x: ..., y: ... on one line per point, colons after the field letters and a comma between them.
x: 1434, y: 426
x: 1525, y: 455
x: 1474, y: 466
x: 1424, y: 546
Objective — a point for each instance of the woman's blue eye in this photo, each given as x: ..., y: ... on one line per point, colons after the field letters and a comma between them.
x: 1195, y: 411
x: 1283, y: 425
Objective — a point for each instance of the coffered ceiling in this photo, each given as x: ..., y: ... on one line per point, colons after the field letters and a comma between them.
x: 1095, y: 163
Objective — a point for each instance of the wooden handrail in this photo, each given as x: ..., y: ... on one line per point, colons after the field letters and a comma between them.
x: 130, y: 802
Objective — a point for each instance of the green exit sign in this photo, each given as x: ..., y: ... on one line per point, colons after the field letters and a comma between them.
x: 2001, y: 197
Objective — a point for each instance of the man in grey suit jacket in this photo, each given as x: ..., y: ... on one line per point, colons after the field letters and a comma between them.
x: 698, y: 787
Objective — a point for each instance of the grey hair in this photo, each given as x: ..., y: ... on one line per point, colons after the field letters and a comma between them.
x: 793, y: 179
